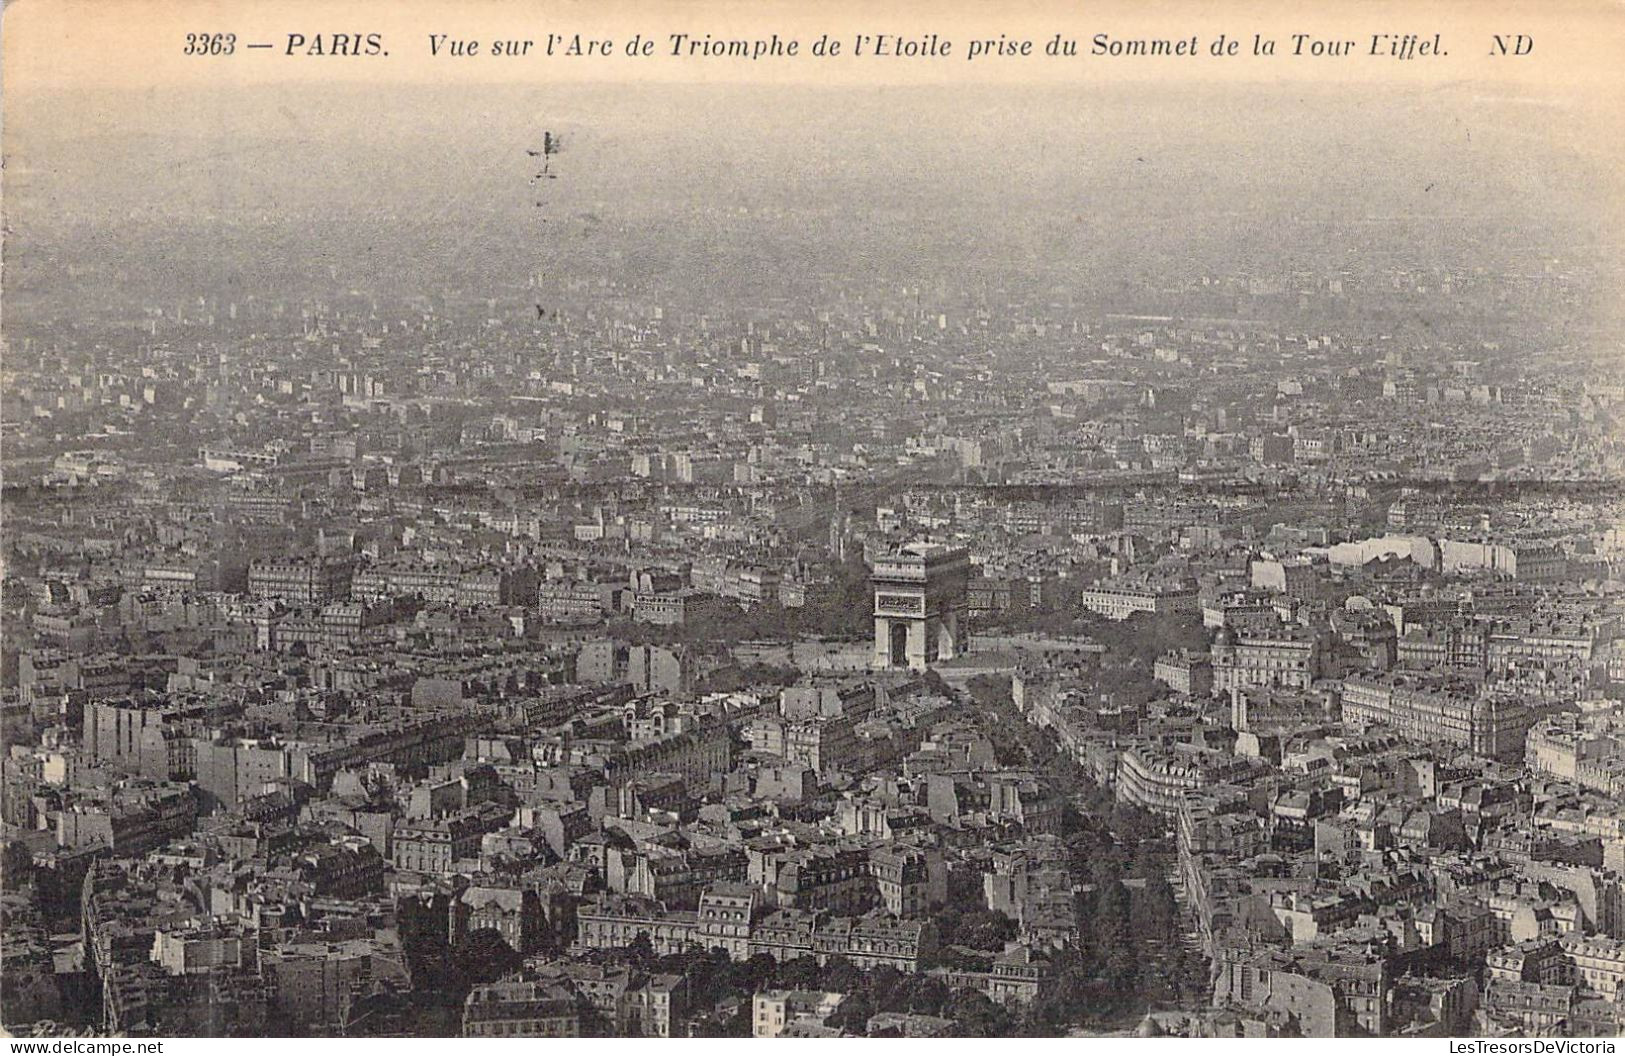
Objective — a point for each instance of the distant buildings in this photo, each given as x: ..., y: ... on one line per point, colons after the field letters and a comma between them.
x: 1465, y: 715
x: 522, y: 1008
x: 1122, y: 598
x: 548, y: 642
x: 793, y: 1013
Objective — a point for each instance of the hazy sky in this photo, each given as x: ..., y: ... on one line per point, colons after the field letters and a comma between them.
x: 406, y: 167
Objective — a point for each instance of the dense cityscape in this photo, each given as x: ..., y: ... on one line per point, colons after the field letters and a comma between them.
x: 957, y: 644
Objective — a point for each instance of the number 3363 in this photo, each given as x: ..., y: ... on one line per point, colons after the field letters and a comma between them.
x: 210, y: 43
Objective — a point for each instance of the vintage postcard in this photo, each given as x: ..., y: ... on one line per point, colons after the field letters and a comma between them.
x: 534, y: 519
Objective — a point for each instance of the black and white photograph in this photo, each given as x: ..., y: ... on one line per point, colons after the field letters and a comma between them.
x: 526, y: 520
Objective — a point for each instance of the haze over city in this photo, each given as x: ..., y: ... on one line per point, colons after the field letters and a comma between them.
x: 888, y: 560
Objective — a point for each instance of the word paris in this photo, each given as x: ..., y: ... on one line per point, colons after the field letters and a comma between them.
x: 925, y: 46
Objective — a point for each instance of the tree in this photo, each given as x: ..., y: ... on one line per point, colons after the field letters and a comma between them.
x: 842, y: 976
x: 709, y: 975
x: 986, y: 929
x: 683, y: 963
x: 960, y: 960
x: 927, y: 995
x: 754, y: 974
x: 1153, y: 913
x: 802, y: 973
x: 1111, y: 910
x: 641, y: 951
x: 734, y: 1024
x: 973, y: 925
x: 853, y: 1015
x: 976, y: 1016
x: 843, y: 612
x: 887, y: 989
x: 1064, y: 1002
x: 16, y: 866
x: 483, y: 957
x: 991, y: 690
